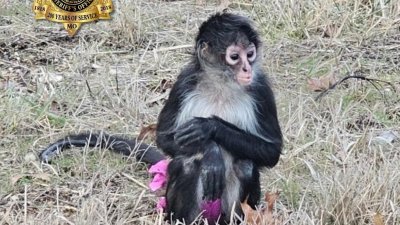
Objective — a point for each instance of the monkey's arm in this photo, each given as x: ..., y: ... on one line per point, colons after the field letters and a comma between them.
x: 165, y: 136
x: 241, y: 144
x: 212, y: 172
x: 186, y: 82
x: 263, y: 149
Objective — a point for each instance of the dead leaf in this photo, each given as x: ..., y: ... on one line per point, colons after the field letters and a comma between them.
x: 331, y: 30
x: 165, y: 85
x: 148, y: 131
x: 251, y: 216
x: 378, y: 219
x: 322, y: 83
x: 158, y: 98
x: 42, y: 176
x: 262, y: 216
x: 271, y: 198
x: 16, y: 178
x: 30, y: 157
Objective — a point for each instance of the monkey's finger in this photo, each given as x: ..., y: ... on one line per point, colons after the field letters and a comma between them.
x: 217, y: 190
x: 211, y: 193
x: 212, y: 184
x: 183, y: 132
x: 181, y: 140
x: 206, y: 184
x: 186, y: 130
x: 187, y: 126
x: 188, y: 139
x: 215, y: 187
x: 219, y: 185
x: 179, y: 137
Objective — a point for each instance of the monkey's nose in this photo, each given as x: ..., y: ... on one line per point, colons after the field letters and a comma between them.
x: 245, y: 69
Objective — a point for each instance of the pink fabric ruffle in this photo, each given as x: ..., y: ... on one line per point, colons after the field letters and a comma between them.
x: 159, y: 171
x: 211, y: 210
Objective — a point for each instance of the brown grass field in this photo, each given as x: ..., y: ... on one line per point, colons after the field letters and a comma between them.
x: 341, y: 161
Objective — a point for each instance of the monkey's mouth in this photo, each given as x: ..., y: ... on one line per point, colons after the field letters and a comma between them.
x: 244, y: 80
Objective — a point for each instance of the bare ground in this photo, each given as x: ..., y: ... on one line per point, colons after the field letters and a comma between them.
x: 341, y: 160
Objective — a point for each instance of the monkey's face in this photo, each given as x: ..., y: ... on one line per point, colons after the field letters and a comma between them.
x: 241, y: 58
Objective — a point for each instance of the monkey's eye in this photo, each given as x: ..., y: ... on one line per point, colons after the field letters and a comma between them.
x: 251, y: 55
x: 234, y: 57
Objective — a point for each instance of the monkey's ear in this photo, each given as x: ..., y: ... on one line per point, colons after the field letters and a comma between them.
x: 204, y: 50
x: 206, y: 54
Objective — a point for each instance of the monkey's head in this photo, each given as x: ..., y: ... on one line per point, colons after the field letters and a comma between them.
x: 229, y: 42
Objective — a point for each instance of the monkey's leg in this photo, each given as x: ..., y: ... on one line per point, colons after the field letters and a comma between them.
x: 183, y: 194
x: 242, y: 182
x: 212, y: 178
x: 195, y: 185
x: 212, y: 172
x: 249, y: 178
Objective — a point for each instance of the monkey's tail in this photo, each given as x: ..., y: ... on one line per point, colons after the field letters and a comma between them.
x: 143, y: 152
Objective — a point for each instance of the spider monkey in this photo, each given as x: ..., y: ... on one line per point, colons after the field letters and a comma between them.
x: 219, y: 125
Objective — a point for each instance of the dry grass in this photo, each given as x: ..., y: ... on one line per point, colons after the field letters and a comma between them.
x: 336, y: 169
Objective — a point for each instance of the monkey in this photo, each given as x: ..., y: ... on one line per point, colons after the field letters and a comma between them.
x: 223, y: 111
x: 219, y: 126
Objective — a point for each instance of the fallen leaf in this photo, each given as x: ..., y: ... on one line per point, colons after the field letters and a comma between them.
x: 42, y: 176
x: 262, y: 216
x: 271, y: 198
x: 251, y: 216
x: 30, y: 157
x: 148, y: 131
x: 331, y: 30
x: 378, y: 219
x: 322, y: 83
x: 16, y: 178
x: 165, y: 85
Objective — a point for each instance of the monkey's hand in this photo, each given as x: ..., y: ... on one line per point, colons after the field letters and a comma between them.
x: 196, y: 131
x: 212, y: 173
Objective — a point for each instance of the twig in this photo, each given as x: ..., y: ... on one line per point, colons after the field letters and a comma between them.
x: 88, y: 86
x: 172, y: 48
x: 134, y: 180
x: 116, y: 78
x: 116, y: 81
x: 370, y: 80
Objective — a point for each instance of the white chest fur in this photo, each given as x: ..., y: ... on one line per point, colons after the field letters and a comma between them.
x: 226, y: 100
